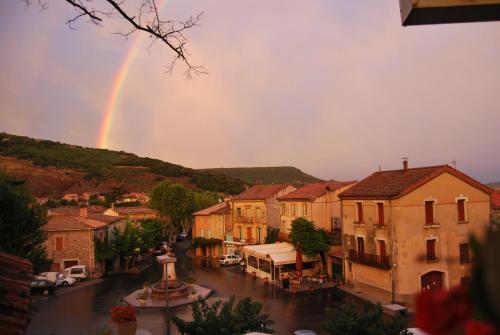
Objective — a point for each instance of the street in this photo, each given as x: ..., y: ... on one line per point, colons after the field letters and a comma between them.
x: 87, y: 309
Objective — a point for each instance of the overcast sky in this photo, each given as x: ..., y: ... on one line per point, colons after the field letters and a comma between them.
x: 336, y: 88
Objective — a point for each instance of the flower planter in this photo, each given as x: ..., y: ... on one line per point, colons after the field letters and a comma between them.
x: 126, y: 328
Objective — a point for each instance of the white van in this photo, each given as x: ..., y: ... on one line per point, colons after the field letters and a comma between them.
x: 52, y: 276
x: 76, y: 271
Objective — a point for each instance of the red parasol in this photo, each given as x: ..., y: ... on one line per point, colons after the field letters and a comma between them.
x: 298, y: 260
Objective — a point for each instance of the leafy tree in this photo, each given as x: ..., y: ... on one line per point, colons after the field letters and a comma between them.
x: 347, y: 319
x: 272, y: 235
x: 151, y: 230
x: 311, y: 239
x: 205, y: 199
x: 21, y: 222
x: 94, y: 200
x: 128, y: 243
x: 226, y: 318
x: 175, y: 205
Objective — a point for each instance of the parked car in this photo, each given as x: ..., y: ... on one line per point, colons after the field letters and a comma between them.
x: 52, y: 276
x: 63, y: 280
x: 230, y: 259
x: 304, y: 332
x: 42, y: 286
x: 76, y: 271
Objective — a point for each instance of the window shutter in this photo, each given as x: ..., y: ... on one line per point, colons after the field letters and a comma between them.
x: 383, y: 251
x: 360, y: 211
x: 380, y: 207
x: 59, y: 243
x: 429, y: 212
x: 461, y: 210
x: 431, y: 250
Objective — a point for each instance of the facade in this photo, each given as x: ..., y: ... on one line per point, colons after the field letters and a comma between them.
x: 495, y: 208
x: 408, y: 230
x: 71, y: 197
x: 142, y: 198
x: 132, y: 213
x: 318, y: 202
x: 70, y: 239
x: 256, y: 209
x: 212, y: 223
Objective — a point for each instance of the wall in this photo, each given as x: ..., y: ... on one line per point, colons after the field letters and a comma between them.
x: 249, y: 219
x: 76, y: 246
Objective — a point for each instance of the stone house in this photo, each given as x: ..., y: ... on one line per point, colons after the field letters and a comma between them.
x: 71, y: 235
x: 256, y: 209
x: 408, y: 230
x: 212, y: 223
x: 132, y: 213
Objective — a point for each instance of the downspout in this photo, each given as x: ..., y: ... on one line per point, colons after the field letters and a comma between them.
x: 90, y: 254
x: 393, y: 264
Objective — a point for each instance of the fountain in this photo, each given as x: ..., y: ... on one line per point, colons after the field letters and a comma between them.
x: 168, y: 286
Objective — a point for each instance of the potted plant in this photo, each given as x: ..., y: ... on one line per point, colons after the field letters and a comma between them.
x: 143, y: 298
x: 125, y: 319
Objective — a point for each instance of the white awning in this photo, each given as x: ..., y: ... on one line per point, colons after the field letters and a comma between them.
x: 279, y: 253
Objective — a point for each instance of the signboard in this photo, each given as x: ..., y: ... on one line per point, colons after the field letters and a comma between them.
x: 418, y: 12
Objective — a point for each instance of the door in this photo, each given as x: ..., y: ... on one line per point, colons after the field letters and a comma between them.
x: 68, y: 264
x: 432, y: 281
x: 249, y: 234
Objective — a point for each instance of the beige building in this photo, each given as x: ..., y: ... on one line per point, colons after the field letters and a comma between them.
x: 71, y: 236
x: 256, y: 209
x: 408, y: 230
x: 318, y: 202
x: 212, y: 223
x: 132, y: 213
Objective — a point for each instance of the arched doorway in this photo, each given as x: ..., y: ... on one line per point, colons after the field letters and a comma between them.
x: 432, y: 280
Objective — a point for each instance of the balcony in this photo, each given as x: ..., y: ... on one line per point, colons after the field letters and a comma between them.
x: 249, y: 219
x: 358, y: 223
x: 377, y: 261
x: 431, y: 225
x: 380, y: 226
x: 247, y: 240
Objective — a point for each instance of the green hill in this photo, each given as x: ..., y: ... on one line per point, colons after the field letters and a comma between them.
x: 100, y: 165
x: 267, y: 175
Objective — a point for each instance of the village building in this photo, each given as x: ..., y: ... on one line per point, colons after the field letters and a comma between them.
x: 71, y: 238
x: 211, y: 225
x: 70, y: 197
x: 254, y: 210
x: 141, y: 198
x: 132, y: 213
x: 319, y: 203
x: 495, y: 208
x: 408, y: 230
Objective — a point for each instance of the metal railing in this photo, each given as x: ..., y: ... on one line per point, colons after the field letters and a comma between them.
x: 377, y: 261
x: 249, y: 219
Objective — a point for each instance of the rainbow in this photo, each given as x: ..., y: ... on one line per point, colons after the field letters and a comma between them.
x: 120, y: 78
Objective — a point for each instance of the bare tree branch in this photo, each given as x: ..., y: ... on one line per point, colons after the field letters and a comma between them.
x: 147, y: 20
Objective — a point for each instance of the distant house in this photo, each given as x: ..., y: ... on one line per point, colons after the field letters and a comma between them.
x: 71, y: 235
x: 132, y: 213
x: 87, y: 195
x: 317, y: 202
x: 41, y: 200
x: 70, y: 197
x: 212, y: 223
x: 135, y: 197
x: 407, y: 230
x: 256, y: 209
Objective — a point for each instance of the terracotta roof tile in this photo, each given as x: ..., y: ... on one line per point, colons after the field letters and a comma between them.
x: 495, y: 199
x: 220, y: 208
x: 260, y: 192
x: 134, y: 210
x: 396, y: 183
x: 314, y: 190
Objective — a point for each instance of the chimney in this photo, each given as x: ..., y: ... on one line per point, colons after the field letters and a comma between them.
x: 405, y: 163
x: 83, y: 211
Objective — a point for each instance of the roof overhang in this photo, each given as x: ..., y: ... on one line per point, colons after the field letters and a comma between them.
x: 419, y: 12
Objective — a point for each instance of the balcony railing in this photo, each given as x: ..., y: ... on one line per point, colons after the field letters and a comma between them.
x: 245, y: 240
x: 377, y: 261
x: 249, y: 219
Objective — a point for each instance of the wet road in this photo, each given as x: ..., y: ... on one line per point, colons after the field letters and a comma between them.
x: 88, y: 308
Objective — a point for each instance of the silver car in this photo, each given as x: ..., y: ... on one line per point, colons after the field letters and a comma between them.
x: 230, y: 259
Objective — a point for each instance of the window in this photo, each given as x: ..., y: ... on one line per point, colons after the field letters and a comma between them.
x: 209, y: 233
x: 306, y: 210
x: 202, y: 232
x: 258, y: 212
x: 248, y: 212
x: 464, y: 253
x: 431, y: 250
x: 359, y: 211
x: 429, y: 212
x: 461, y: 210
x: 238, y: 212
x: 380, y: 209
x: 59, y: 243
x: 283, y: 209
x: 292, y: 208
x: 361, y: 246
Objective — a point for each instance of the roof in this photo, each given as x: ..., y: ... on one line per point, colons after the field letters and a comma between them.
x: 280, y: 253
x: 65, y: 222
x: 315, y: 190
x: 260, y: 192
x: 93, y: 212
x: 397, y: 183
x: 219, y: 208
x: 15, y: 279
x: 134, y: 210
x: 495, y: 199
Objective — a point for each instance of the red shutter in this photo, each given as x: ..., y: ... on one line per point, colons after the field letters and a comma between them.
x: 360, y: 211
x: 380, y: 213
x: 461, y: 210
x: 431, y: 250
x: 59, y: 243
x: 383, y: 251
x: 361, y: 246
x: 429, y: 212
